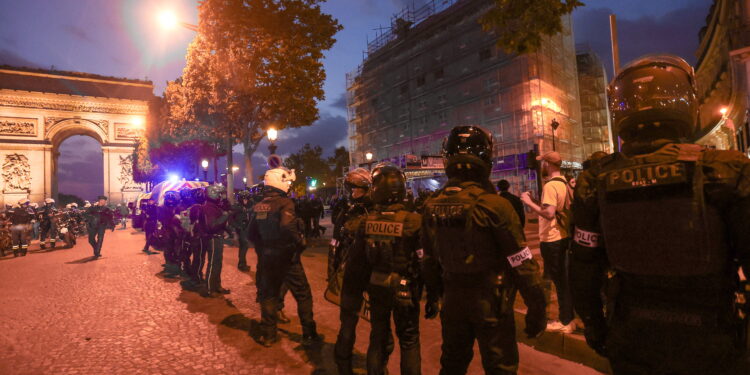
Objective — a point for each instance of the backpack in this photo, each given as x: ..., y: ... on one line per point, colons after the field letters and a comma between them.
x: 565, y: 217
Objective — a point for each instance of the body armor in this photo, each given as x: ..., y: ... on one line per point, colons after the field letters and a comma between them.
x: 656, y: 216
x: 462, y: 246
x: 387, y: 234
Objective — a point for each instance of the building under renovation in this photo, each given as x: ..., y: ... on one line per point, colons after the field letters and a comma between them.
x: 435, y: 68
x: 592, y: 89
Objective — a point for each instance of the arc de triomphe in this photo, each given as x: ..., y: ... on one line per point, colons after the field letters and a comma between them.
x: 40, y: 109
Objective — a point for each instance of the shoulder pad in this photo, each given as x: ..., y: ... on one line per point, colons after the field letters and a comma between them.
x: 689, y: 152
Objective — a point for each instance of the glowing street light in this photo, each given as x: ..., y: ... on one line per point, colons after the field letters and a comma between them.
x: 272, y: 136
x: 723, y: 111
x: 167, y: 19
x: 235, y: 168
x: 368, y: 157
x: 204, y: 164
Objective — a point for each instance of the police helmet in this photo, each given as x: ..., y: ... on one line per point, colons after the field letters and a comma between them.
x: 280, y: 178
x: 199, y: 195
x: 185, y: 194
x: 358, y: 178
x: 244, y: 196
x: 171, y: 198
x: 388, y: 184
x: 468, y: 147
x: 49, y: 201
x: 654, y: 97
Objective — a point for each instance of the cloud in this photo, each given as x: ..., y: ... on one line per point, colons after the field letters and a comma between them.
x: 674, y: 32
x: 77, y: 32
x: 340, y: 102
x: 8, y: 57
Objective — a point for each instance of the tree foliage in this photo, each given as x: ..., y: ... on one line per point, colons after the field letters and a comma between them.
x: 309, y: 162
x: 521, y: 25
x: 253, y: 64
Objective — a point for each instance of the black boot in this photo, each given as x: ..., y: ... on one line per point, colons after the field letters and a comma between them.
x: 310, y: 335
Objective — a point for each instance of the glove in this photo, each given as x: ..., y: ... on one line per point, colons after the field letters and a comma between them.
x: 431, y: 309
x: 596, y: 338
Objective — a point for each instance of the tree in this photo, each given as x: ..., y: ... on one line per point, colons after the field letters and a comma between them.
x: 253, y: 64
x: 309, y: 163
x: 520, y: 25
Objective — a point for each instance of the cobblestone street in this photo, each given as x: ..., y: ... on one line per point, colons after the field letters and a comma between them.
x: 63, y: 313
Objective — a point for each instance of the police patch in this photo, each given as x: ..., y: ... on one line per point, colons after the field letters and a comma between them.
x: 646, y: 176
x: 384, y: 228
x: 518, y: 258
x: 446, y: 209
x: 586, y: 239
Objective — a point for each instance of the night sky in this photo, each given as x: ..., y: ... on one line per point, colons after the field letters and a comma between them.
x: 120, y: 38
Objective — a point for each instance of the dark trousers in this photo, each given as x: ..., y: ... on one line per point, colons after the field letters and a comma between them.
x: 96, y: 238
x: 19, y: 234
x: 273, y: 265
x: 185, y: 251
x: 198, y: 249
x: 383, y: 304
x: 149, y: 227
x: 471, y: 314
x: 244, y: 244
x: 296, y: 282
x: 215, y: 259
x: 48, y: 229
x: 555, y: 256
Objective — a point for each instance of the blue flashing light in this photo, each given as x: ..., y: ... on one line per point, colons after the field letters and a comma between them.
x: 174, y: 178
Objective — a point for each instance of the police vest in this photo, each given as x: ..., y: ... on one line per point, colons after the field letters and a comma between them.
x: 655, y: 219
x: 459, y: 245
x: 268, y: 220
x: 384, y: 241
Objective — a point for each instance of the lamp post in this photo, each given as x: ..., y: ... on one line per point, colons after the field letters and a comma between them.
x: 204, y: 164
x: 272, y: 135
x: 368, y: 157
x: 554, y: 124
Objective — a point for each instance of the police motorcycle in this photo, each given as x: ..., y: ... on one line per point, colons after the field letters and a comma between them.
x: 65, y: 228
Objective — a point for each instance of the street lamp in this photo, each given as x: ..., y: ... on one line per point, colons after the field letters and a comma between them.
x: 272, y: 135
x: 235, y: 168
x: 368, y: 157
x: 554, y: 124
x: 204, y: 164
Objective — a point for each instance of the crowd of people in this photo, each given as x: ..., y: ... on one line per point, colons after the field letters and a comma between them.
x: 50, y: 224
x: 645, y: 247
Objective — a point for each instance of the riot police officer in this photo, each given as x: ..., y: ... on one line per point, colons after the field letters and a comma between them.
x: 668, y: 221
x: 99, y: 218
x: 240, y: 221
x: 47, y: 227
x: 347, y: 269
x: 185, y: 235
x: 390, y: 237
x: 199, y: 241
x: 20, y: 221
x: 279, y: 241
x: 475, y: 248
x: 213, y: 221
x: 170, y: 226
x: 150, y: 223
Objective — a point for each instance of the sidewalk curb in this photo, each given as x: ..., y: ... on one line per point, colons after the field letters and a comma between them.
x: 572, y: 347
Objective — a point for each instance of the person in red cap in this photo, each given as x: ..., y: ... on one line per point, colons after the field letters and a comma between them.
x: 554, y: 219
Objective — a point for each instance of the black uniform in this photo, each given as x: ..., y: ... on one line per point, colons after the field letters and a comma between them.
x: 99, y: 219
x: 277, y: 234
x: 213, y: 221
x: 170, y: 227
x: 47, y: 226
x: 474, y: 246
x: 149, y: 213
x: 673, y: 226
x: 240, y: 221
x: 390, y: 236
x: 356, y: 275
x: 20, y: 219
